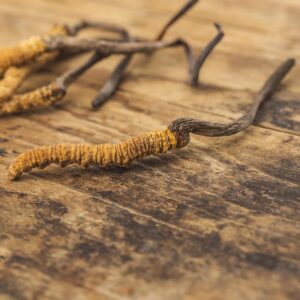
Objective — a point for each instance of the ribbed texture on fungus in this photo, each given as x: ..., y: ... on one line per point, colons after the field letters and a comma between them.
x: 39, y: 97
x: 104, y: 155
x: 22, y: 53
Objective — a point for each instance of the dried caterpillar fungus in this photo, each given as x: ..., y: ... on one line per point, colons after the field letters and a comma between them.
x: 48, y: 94
x: 14, y: 76
x: 21, y: 54
x: 39, y: 97
x: 104, y: 155
x: 11, y: 80
x: 28, y: 50
x: 176, y: 136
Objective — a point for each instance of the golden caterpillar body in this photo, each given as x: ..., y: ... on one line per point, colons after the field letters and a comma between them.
x: 28, y: 50
x: 21, y: 54
x: 39, y: 97
x: 104, y: 155
x: 14, y: 76
x: 11, y: 80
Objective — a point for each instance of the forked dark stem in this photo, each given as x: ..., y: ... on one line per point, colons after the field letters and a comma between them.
x: 184, y: 126
x: 110, y: 86
x: 199, y: 62
x: 70, y: 76
x: 177, y: 16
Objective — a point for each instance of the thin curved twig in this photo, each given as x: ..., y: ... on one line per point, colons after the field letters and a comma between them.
x: 110, y: 86
x: 199, y: 62
x: 185, y: 126
x: 177, y: 16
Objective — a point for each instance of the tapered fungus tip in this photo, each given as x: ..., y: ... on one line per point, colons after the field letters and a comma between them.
x: 95, y: 104
x: 219, y: 27
x: 12, y: 173
x: 11, y: 176
x: 291, y: 61
x: 98, y: 101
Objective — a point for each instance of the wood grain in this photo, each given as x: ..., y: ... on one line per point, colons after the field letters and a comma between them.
x: 217, y: 220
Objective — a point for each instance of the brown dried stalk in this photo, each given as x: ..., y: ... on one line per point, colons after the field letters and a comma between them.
x: 110, y: 86
x: 195, y: 63
x: 184, y: 126
x: 176, y: 136
x: 199, y: 62
x: 176, y: 17
x: 29, y: 50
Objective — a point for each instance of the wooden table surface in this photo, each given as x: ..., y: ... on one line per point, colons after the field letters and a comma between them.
x: 219, y: 219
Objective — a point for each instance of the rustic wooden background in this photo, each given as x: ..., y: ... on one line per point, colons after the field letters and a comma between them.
x: 217, y: 220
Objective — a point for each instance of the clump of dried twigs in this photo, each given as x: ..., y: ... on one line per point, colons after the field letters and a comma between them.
x: 20, y: 61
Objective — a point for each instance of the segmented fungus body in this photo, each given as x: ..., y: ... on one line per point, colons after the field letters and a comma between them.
x: 176, y: 136
x: 28, y: 50
x: 40, y: 97
x: 48, y: 94
x: 23, y: 53
x: 104, y: 155
x: 14, y: 76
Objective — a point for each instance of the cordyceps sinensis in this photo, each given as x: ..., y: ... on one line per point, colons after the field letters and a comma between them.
x: 176, y: 136
x: 48, y: 94
x: 65, y: 40
x: 14, y: 76
x: 29, y: 50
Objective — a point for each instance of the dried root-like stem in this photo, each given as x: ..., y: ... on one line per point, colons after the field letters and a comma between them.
x: 176, y: 136
x: 83, y: 24
x: 177, y: 16
x: 185, y: 126
x: 111, y: 85
x: 199, y: 62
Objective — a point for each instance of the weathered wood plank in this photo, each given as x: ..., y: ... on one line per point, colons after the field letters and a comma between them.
x: 219, y: 219
x: 270, y: 45
x: 228, y: 212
